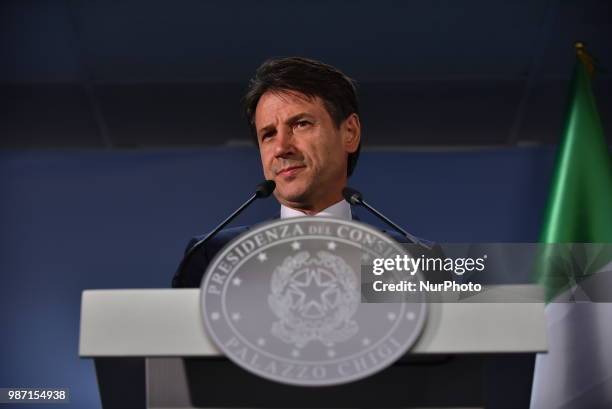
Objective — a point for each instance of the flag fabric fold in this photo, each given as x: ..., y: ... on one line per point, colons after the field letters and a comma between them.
x: 577, y: 370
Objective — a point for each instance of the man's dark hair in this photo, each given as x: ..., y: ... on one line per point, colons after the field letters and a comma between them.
x: 311, y: 78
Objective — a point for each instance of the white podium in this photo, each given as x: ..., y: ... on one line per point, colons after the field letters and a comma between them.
x: 151, y: 351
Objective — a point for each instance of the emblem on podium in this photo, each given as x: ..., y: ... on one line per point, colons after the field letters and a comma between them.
x: 283, y: 301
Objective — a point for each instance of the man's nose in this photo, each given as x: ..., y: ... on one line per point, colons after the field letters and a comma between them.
x: 284, y: 142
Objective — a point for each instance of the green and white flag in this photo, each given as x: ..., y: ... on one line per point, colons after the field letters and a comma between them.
x: 577, y: 370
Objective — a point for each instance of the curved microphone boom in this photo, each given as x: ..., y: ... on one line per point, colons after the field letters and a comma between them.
x: 265, y: 189
x: 355, y: 198
x: 262, y: 191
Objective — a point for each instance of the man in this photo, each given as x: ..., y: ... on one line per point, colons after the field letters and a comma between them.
x: 305, y: 117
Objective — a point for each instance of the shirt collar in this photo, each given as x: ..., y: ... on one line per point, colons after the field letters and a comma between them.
x: 340, y: 210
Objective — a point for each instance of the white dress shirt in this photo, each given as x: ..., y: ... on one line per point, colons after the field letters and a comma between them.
x: 340, y: 210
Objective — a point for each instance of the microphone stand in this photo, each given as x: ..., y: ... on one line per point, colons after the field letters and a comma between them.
x: 263, y: 190
x: 355, y: 197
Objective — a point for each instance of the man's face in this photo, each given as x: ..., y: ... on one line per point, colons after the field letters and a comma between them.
x: 302, y: 150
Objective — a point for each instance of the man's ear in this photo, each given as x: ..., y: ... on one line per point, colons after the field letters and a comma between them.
x: 351, y: 132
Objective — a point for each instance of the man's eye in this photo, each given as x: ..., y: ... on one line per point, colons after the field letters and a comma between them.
x: 302, y: 124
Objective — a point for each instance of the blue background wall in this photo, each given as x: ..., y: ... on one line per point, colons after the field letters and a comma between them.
x: 74, y: 220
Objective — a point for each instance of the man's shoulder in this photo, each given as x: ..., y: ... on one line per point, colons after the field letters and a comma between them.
x: 220, y: 239
x: 192, y: 269
x: 404, y: 240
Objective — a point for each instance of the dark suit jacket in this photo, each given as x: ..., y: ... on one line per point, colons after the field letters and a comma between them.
x: 190, y: 275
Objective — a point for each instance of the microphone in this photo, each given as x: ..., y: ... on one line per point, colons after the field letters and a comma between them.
x: 262, y: 191
x: 355, y: 198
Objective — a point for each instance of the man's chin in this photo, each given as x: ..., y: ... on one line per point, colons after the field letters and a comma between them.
x: 294, y: 199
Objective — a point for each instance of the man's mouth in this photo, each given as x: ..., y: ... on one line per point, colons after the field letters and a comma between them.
x: 290, y: 170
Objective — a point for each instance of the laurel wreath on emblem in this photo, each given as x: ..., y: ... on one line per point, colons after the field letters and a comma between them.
x: 314, y: 299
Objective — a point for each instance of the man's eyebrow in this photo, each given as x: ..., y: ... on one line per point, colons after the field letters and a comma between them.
x: 266, y: 129
x: 294, y: 118
x: 291, y: 120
